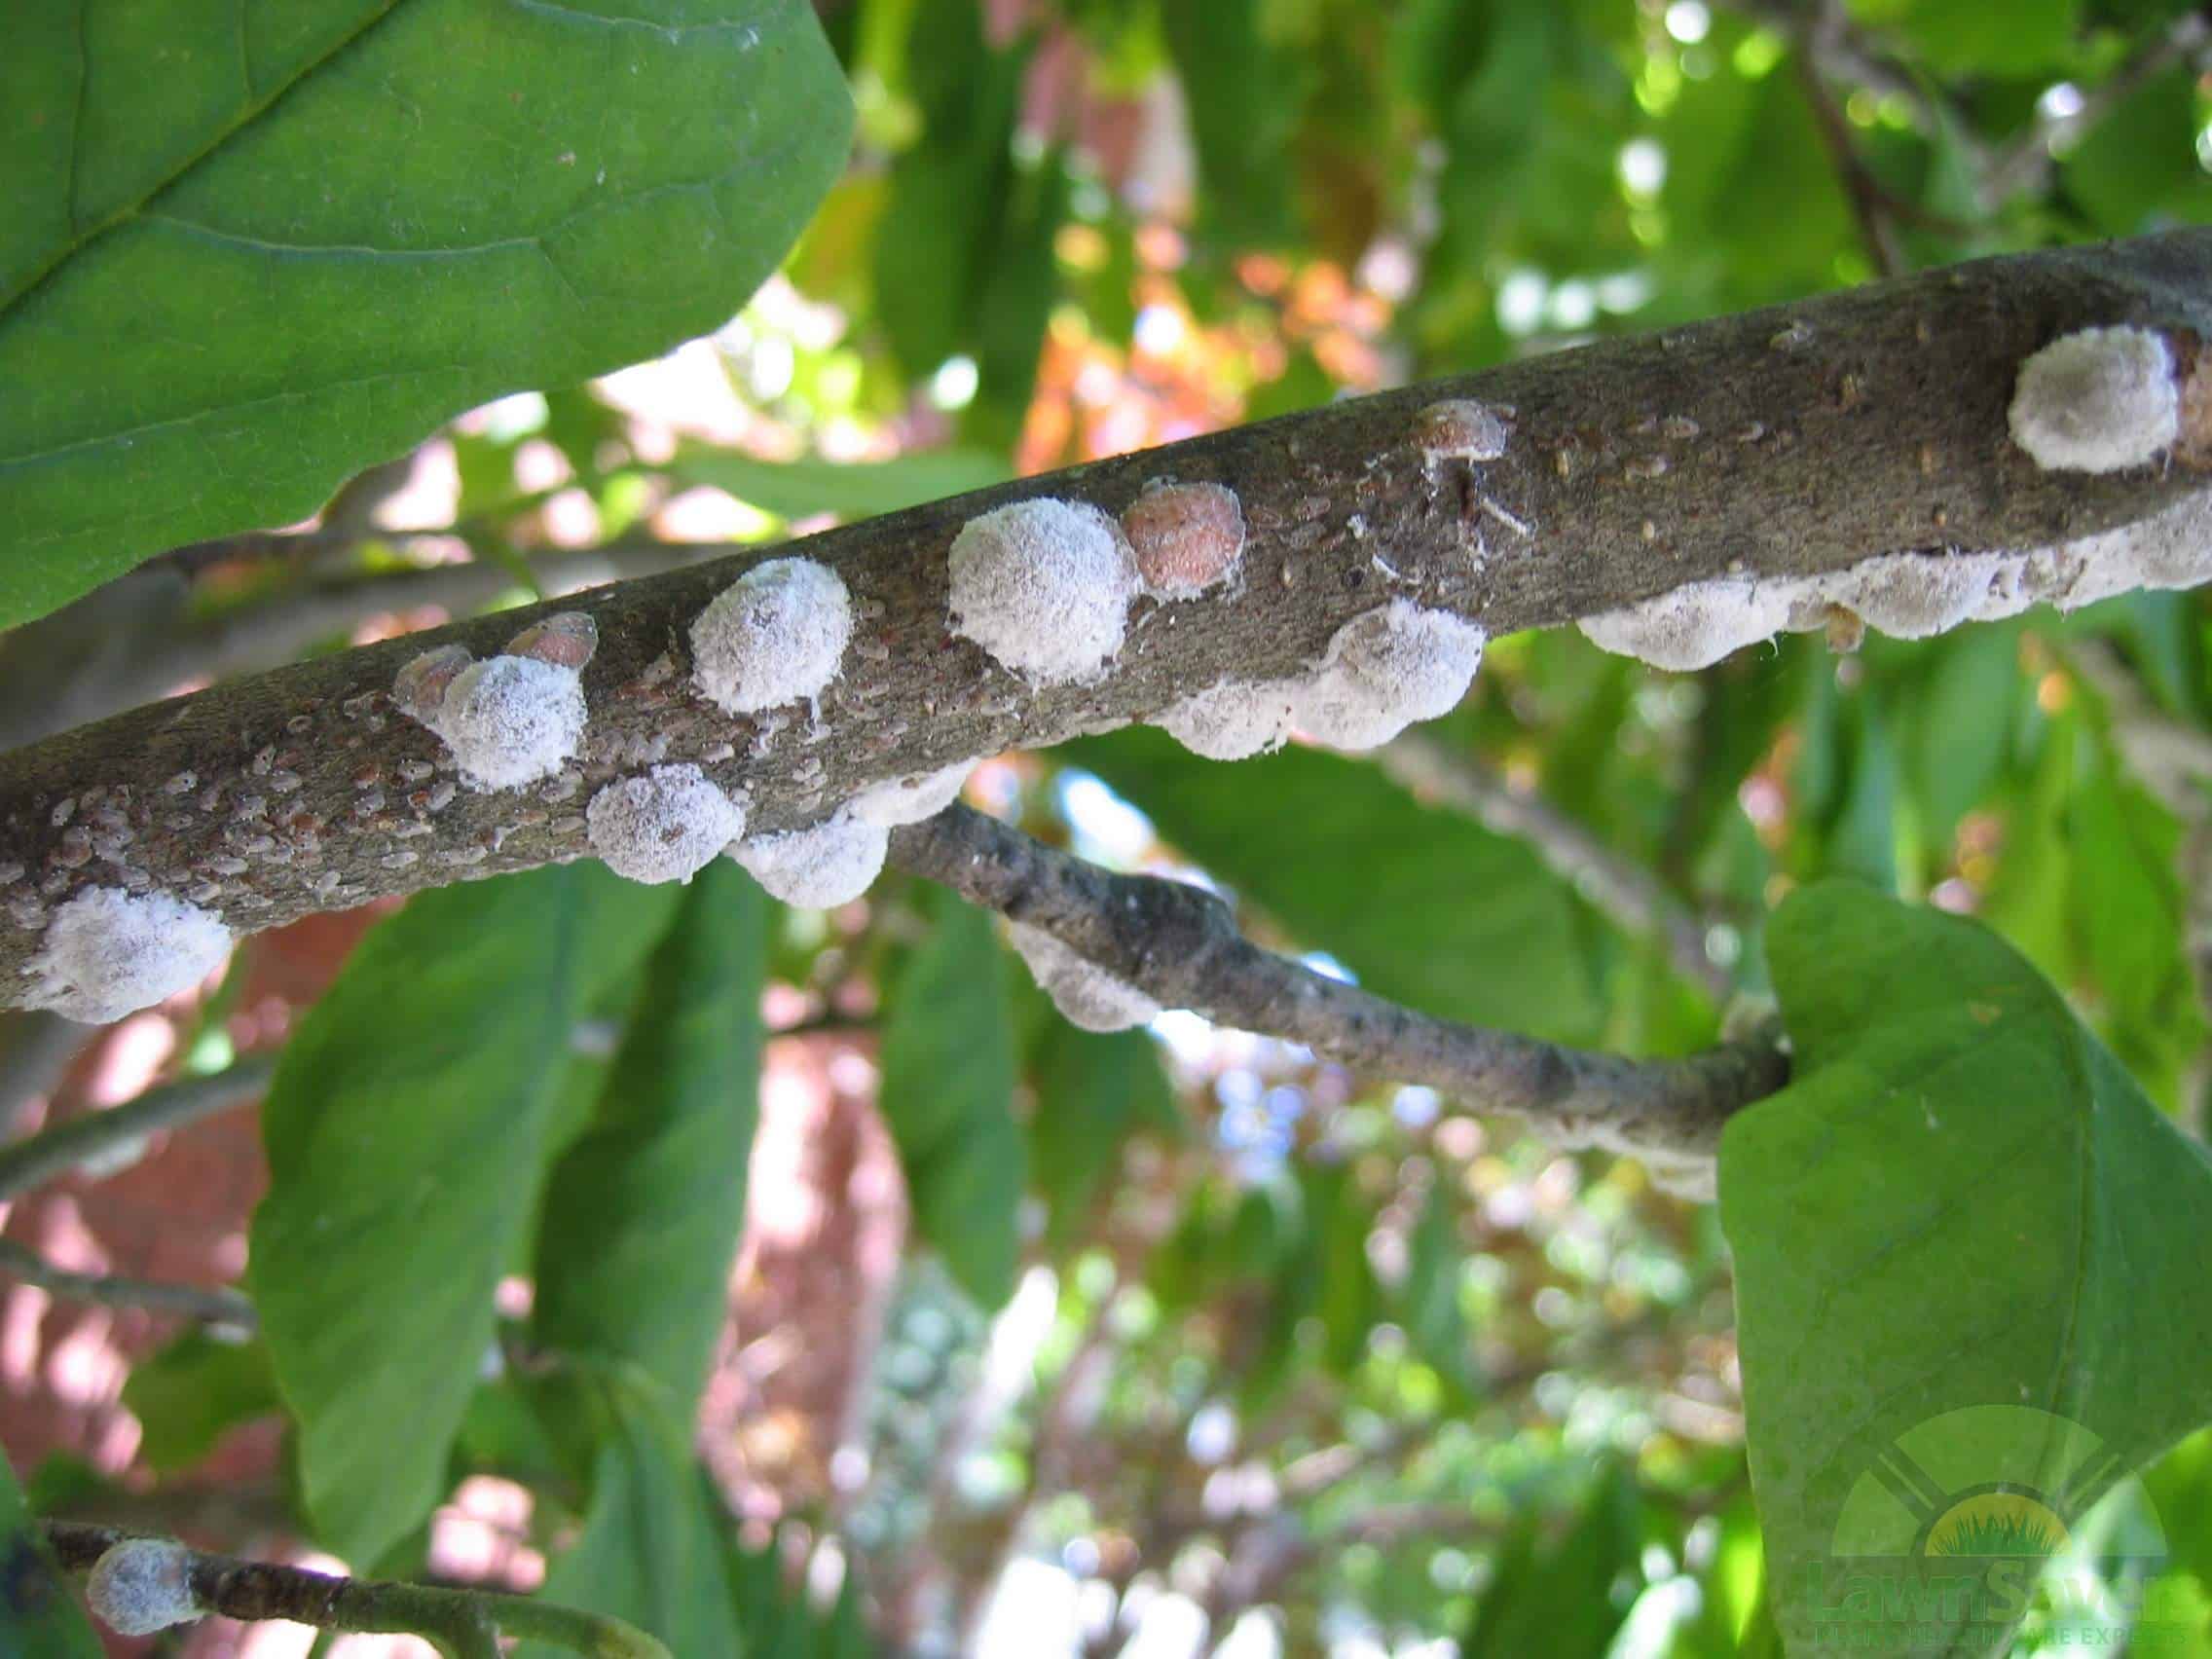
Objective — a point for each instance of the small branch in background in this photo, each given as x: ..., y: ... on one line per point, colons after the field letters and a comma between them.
x: 206, y: 1307
x: 1870, y: 201
x: 461, y: 1624
x: 35, y: 1051
x: 90, y: 1138
x: 1181, y: 946
x: 2026, y: 164
x: 133, y: 641
x: 1631, y: 897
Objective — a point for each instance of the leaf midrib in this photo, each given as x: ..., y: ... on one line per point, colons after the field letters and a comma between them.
x: 80, y: 238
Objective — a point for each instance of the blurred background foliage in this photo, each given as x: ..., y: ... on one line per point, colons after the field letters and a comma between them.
x: 1180, y: 1341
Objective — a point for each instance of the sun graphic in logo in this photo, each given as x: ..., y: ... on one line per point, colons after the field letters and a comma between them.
x: 1988, y: 1483
x: 1999, y: 1521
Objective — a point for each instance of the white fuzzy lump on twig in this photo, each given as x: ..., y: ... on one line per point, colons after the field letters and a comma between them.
x: 909, y: 800
x: 509, y: 720
x: 2097, y: 400
x: 1913, y: 596
x: 817, y: 868
x: 1086, y: 994
x: 141, y: 1586
x: 1697, y: 624
x: 776, y: 635
x: 1233, y: 721
x: 1386, y: 669
x: 1043, y: 586
x: 666, y: 825
x: 108, y: 953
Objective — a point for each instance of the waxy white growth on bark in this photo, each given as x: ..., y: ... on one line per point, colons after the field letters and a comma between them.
x: 142, y: 1585
x: 909, y: 800
x: 1043, y: 586
x: 776, y: 635
x: 108, y: 953
x: 2097, y: 400
x: 1388, y: 669
x: 1913, y: 596
x: 666, y: 825
x: 1460, y: 429
x: 1186, y: 538
x: 1696, y: 624
x: 1084, y: 994
x: 1232, y: 721
x: 832, y: 864
x: 2170, y: 549
x: 511, y: 720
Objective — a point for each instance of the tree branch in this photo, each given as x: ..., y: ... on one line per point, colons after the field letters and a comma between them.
x: 1633, y: 898
x: 39, y: 1158
x: 1797, y: 440
x: 1180, y: 944
x: 464, y: 1624
x: 2026, y: 164
x: 209, y: 1307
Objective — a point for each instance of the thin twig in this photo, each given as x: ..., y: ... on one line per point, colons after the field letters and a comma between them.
x: 35, y: 1051
x: 1181, y: 946
x: 55, y: 1150
x: 209, y: 1307
x: 465, y: 1624
x: 1631, y: 897
x: 1869, y: 200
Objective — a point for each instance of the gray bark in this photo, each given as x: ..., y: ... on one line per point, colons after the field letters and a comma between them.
x: 1794, y: 440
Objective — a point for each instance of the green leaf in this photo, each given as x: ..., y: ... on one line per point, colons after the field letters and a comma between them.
x: 255, y: 248
x: 406, y: 1132
x: 651, y: 1548
x: 948, y: 192
x: 39, y: 1614
x: 1435, y: 1319
x: 1423, y: 905
x: 1562, y: 1598
x: 1244, y: 93
x: 1971, y: 37
x: 192, y: 1394
x: 1967, y: 1251
x: 643, y: 1212
x: 796, y: 489
x: 948, y: 1097
x: 1959, y: 717
x: 1093, y: 1093
x: 2138, y: 170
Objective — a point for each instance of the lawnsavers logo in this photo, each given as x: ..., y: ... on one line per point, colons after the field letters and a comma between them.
x: 1956, y: 1528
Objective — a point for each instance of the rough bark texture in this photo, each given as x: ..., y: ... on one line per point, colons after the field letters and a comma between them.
x: 1792, y: 440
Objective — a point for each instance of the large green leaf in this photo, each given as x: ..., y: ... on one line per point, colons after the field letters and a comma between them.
x: 1969, y: 1251
x: 255, y: 248
x: 1093, y: 1091
x: 643, y: 1211
x: 1425, y: 906
x: 948, y: 1097
x: 39, y: 1616
x: 1565, y: 1595
x: 948, y: 192
x: 192, y: 1394
x: 406, y: 1130
x: 652, y: 1551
